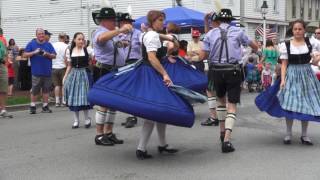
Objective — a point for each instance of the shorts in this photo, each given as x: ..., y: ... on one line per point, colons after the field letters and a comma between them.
x: 3, y: 79
x: 228, y: 82
x: 57, y: 76
x: 101, y: 71
x: 11, y: 80
x: 41, y: 83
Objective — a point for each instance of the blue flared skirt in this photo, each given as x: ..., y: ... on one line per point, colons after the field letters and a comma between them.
x: 268, y: 101
x: 76, y: 88
x: 141, y: 92
x: 183, y: 74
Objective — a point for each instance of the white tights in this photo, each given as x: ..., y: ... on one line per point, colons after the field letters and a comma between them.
x: 146, y: 133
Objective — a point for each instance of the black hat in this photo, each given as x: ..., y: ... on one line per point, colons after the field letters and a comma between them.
x: 103, y: 13
x: 125, y: 17
x: 46, y: 32
x: 225, y: 14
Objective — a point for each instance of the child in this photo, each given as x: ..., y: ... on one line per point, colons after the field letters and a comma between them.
x: 266, y: 79
x: 10, y: 75
x: 251, y: 73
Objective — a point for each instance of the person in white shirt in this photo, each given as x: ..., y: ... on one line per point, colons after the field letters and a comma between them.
x: 59, y: 67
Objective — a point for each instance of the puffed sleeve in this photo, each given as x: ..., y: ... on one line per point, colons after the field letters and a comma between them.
x: 151, y: 40
x: 283, y: 51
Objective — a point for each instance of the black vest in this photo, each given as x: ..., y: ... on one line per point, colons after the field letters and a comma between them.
x: 161, y: 52
x: 299, y: 58
x: 80, y: 61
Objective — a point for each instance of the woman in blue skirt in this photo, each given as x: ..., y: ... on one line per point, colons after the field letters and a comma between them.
x: 296, y: 95
x: 77, y: 80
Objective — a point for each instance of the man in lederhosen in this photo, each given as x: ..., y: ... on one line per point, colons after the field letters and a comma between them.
x: 132, y: 52
x: 108, y: 57
x: 222, y: 49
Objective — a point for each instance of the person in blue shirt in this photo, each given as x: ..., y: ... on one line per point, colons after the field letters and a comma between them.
x: 41, y: 54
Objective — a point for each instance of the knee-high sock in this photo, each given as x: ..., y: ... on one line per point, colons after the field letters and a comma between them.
x: 221, y: 113
x: 230, y: 120
x: 111, y: 115
x: 76, y: 116
x: 212, y: 102
x: 162, y: 133
x: 101, y: 117
x: 304, y: 128
x: 289, y: 124
x: 145, y: 134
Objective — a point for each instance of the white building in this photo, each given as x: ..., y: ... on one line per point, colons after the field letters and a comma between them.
x: 20, y: 19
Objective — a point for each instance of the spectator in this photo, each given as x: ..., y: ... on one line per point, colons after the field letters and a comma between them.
x: 24, y: 77
x: 11, y: 74
x: 183, y: 48
x: 2, y: 38
x: 13, y: 49
x: 3, y: 81
x: 59, y: 67
x: 47, y: 35
x: 193, y: 50
x: 67, y: 40
x: 41, y: 53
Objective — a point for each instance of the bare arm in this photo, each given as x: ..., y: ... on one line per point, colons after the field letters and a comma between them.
x: 283, y: 72
x: 203, y: 55
x: 171, y: 38
x: 106, y: 36
x: 254, y: 45
x: 30, y: 54
x: 158, y: 67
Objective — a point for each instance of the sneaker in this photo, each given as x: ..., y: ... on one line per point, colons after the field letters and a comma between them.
x: 210, y: 122
x: 113, y: 138
x: 33, y: 109
x: 46, y: 109
x: 58, y: 105
x: 227, y: 147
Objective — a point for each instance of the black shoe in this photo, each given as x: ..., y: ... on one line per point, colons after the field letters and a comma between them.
x: 112, y: 137
x: 102, y: 140
x: 210, y: 122
x: 287, y: 140
x: 306, y: 142
x: 75, y: 125
x: 88, y: 124
x: 166, y: 149
x: 222, y: 134
x: 141, y: 155
x: 131, y: 123
x: 46, y: 109
x: 33, y: 109
x: 227, y: 147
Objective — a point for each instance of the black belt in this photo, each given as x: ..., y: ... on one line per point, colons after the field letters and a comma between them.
x: 104, y: 66
x: 225, y: 67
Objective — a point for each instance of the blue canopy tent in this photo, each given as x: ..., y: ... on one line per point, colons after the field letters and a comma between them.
x: 181, y: 16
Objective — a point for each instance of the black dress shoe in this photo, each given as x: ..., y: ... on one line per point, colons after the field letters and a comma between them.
x: 33, y: 109
x: 102, y: 140
x: 113, y: 138
x: 166, y: 149
x: 303, y: 141
x: 287, y: 140
x: 141, y: 155
x: 130, y: 123
x: 227, y: 147
x: 210, y: 122
x: 88, y: 123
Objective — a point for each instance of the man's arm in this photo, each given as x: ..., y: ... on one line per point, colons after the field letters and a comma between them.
x: 106, y: 36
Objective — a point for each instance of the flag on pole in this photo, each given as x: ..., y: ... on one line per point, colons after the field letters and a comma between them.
x: 271, y: 32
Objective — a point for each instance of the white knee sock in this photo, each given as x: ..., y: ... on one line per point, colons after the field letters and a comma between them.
x: 101, y: 117
x: 304, y: 127
x: 289, y: 127
x: 86, y: 114
x: 76, y: 117
x: 145, y: 134
x: 161, y: 128
x: 58, y: 100
x: 111, y: 115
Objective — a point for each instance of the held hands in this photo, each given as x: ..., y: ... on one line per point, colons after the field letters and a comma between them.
x: 166, y: 79
x: 126, y: 28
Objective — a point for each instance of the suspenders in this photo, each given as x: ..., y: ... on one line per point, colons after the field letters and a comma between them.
x: 224, y: 38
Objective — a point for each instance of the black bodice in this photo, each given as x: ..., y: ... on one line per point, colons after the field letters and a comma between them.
x: 80, y: 61
x: 299, y: 58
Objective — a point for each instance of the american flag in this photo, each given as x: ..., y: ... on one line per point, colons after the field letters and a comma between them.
x: 271, y: 32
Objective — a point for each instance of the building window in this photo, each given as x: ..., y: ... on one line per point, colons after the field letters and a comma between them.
x: 301, y: 9
x: 294, y: 8
x: 276, y: 6
x: 309, y: 9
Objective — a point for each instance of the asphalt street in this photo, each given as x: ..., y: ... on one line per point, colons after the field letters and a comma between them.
x: 44, y: 147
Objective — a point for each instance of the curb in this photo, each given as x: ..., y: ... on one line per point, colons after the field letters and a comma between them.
x: 24, y: 107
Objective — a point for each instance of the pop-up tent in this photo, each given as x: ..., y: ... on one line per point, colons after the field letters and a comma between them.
x: 181, y: 16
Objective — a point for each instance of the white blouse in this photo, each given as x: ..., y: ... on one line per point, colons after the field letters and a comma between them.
x: 151, y: 41
x: 295, y: 49
x: 75, y: 54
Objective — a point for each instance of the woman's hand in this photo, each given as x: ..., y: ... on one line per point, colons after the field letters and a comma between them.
x: 166, y: 79
x: 282, y: 84
x: 64, y: 79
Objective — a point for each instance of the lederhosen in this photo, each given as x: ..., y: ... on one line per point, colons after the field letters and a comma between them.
x: 227, y: 78
x: 299, y: 58
x: 101, y: 69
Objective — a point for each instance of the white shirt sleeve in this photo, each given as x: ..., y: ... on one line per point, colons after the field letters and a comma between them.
x: 151, y: 40
x: 68, y: 55
x: 283, y: 51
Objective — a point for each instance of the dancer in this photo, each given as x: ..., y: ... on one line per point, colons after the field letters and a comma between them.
x: 77, y: 80
x: 222, y: 48
x: 296, y: 95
